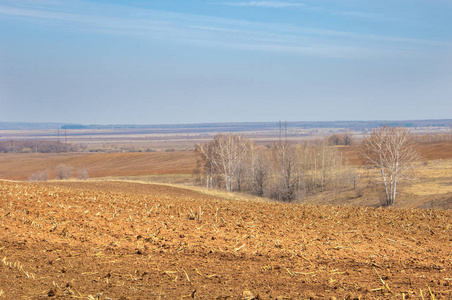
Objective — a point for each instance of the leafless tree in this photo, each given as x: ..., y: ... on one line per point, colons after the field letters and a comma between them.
x: 206, y: 166
x: 39, y: 176
x: 391, y: 150
x: 347, y: 138
x: 260, y: 170
x: 323, y: 168
x: 225, y: 155
x: 284, y: 172
x: 287, y: 171
x: 63, y: 172
x: 230, y: 151
x: 334, y: 139
x: 82, y: 174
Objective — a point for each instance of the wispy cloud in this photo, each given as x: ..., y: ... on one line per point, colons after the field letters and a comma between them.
x: 320, y: 9
x: 272, y: 4
x: 215, y: 31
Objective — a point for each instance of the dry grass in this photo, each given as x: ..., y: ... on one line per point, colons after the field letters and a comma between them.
x: 430, y: 178
x: 169, y: 179
x: 429, y: 186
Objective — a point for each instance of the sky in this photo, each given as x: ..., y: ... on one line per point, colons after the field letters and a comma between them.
x: 203, y: 61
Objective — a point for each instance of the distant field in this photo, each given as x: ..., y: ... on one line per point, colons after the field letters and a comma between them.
x: 428, y: 151
x: 115, y: 138
x: 21, y: 166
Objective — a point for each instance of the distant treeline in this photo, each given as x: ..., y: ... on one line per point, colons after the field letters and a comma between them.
x: 29, y: 146
x: 235, y: 127
x: 40, y: 146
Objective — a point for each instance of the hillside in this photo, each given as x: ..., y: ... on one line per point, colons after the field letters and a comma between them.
x: 21, y: 166
x: 428, y: 151
x: 430, y: 189
x: 118, y: 240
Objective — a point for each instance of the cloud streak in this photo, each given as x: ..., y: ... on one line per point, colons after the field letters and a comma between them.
x: 215, y: 31
x: 271, y: 4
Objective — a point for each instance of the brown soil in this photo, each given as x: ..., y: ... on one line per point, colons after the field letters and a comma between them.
x: 22, y: 165
x: 428, y: 151
x: 117, y: 240
x: 435, y: 150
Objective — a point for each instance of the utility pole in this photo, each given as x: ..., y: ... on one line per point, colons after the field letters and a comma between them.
x: 285, y: 129
x: 65, y: 137
x: 58, y: 142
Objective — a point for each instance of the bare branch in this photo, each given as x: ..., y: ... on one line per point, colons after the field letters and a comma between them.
x: 391, y: 150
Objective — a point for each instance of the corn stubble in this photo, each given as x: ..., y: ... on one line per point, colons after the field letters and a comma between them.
x: 119, y: 240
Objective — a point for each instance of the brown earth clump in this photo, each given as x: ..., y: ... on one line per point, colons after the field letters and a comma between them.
x: 117, y: 240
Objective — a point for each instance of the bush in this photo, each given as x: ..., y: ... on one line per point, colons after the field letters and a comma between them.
x: 39, y: 176
x: 63, y: 172
x: 82, y: 174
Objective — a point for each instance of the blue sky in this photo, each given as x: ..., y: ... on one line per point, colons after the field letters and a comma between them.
x: 190, y: 61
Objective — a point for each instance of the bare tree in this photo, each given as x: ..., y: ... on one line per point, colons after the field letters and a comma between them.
x: 206, y: 166
x: 230, y: 150
x: 39, y: 176
x: 391, y: 150
x: 225, y: 155
x: 287, y: 171
x: 82, y: 174
x: 334, y: 139
x: 260, y: 170
x: 63, y: 172
x: 347, y: 138
x: 323, y: 168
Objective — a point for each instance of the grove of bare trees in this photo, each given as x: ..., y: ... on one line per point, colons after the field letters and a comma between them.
x: 38, y: 146
x: 63, y: 172
x: 345, y: 138
x: 391, y: 150
x: 285, y: 171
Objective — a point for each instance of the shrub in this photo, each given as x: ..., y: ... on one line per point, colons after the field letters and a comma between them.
x: 63, y: 172
x: 39, y: 176
x: 82, y: 174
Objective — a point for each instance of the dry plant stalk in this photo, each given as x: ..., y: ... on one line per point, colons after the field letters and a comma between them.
x: 200, y: 213
x: 382, y: 281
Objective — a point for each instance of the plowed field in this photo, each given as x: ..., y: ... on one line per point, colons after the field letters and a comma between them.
x: 20, y: 166
x: 116, y: 240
